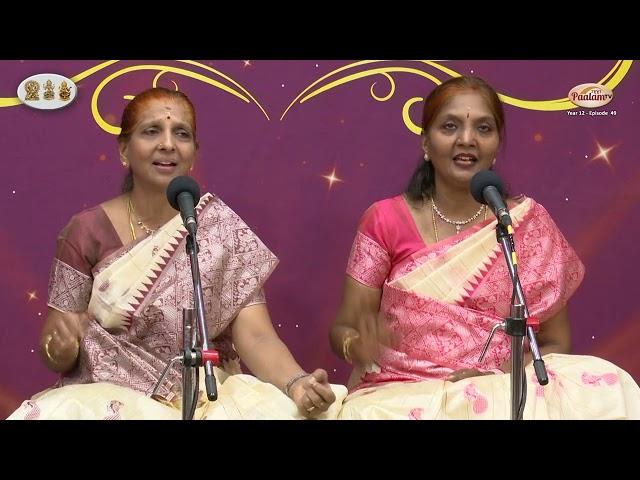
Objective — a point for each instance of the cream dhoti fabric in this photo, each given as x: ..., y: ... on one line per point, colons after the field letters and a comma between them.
x: 240, y: 397
x: 580, y: 387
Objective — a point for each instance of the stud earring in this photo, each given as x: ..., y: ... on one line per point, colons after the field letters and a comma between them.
x: 426, y: 157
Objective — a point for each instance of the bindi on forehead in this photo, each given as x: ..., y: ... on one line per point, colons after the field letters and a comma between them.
x: 166, y: 111
x: 468, y: 110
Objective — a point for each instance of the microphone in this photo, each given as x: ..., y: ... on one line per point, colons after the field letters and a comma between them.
x: 183, y: 194
x: 486, y: 187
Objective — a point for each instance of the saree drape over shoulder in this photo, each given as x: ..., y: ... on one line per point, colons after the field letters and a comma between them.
x: 135, y: 295
x: 442, y: 300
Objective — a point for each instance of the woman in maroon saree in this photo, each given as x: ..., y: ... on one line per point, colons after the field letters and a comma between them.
x: 121, y: 278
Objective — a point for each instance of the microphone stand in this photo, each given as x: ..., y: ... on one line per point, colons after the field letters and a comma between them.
x: 192, y: 357
x: 209, y: 379
x: 518, y: 325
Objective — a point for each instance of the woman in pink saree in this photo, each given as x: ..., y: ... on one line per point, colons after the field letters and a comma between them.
x: 426, y: 282
x: 121, y: 277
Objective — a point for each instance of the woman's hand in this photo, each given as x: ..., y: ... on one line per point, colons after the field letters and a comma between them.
x: 361, y: 350
x: 363, y: 346
x: 61, y: 341
x: 312, y: 394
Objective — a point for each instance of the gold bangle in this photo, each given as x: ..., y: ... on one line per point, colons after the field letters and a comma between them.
x: 47, y: 340
x: 346, y: 344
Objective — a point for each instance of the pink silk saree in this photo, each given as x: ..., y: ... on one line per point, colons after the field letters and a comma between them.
x: 442, y: 300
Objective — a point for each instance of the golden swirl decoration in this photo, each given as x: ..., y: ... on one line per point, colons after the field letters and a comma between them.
x: 334, y: 79
x: 235, y: 89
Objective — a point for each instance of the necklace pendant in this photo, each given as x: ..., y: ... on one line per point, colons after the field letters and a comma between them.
x: 457, y: 229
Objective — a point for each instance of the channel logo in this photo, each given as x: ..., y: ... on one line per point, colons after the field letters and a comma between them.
x: 590, y: 95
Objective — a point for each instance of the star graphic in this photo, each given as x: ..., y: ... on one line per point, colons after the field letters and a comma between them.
x: 32, y: 295
x: 332, y: 178
x: 603, y: 155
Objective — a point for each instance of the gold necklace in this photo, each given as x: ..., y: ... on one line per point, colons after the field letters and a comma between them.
x: 435, y: 226
x: 144, y: 228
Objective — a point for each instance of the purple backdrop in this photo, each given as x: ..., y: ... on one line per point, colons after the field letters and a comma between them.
x: 274, y: 169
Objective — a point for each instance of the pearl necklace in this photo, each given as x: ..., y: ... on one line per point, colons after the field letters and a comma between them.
x: 456, y: 223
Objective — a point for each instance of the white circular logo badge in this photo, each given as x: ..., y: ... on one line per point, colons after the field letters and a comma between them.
x: 47, y: 91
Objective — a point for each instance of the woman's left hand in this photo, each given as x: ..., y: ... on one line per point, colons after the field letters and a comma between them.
x: 465, y: 373
x: 312, y: 394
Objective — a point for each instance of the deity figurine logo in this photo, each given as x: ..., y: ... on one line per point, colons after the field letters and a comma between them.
x: 47, y: 91
x: 65, y: 91
x: 49, y: 94
x: 32, y: 88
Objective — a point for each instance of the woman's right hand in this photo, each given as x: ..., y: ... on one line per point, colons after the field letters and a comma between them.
x: 62, y: 336
x: 312, y: 393
x: 359, y: 330
x: 363, y: 348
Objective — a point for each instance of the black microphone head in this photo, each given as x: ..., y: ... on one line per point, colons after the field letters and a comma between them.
x: 179, y: 185
x: 482, y: 180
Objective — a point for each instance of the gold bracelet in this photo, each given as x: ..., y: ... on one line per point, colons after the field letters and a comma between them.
x: 346, y: 344
x: 47, y: 340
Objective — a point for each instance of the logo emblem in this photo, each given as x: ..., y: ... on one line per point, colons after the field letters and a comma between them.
x: 47, y: 91
x: 590, y: 95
